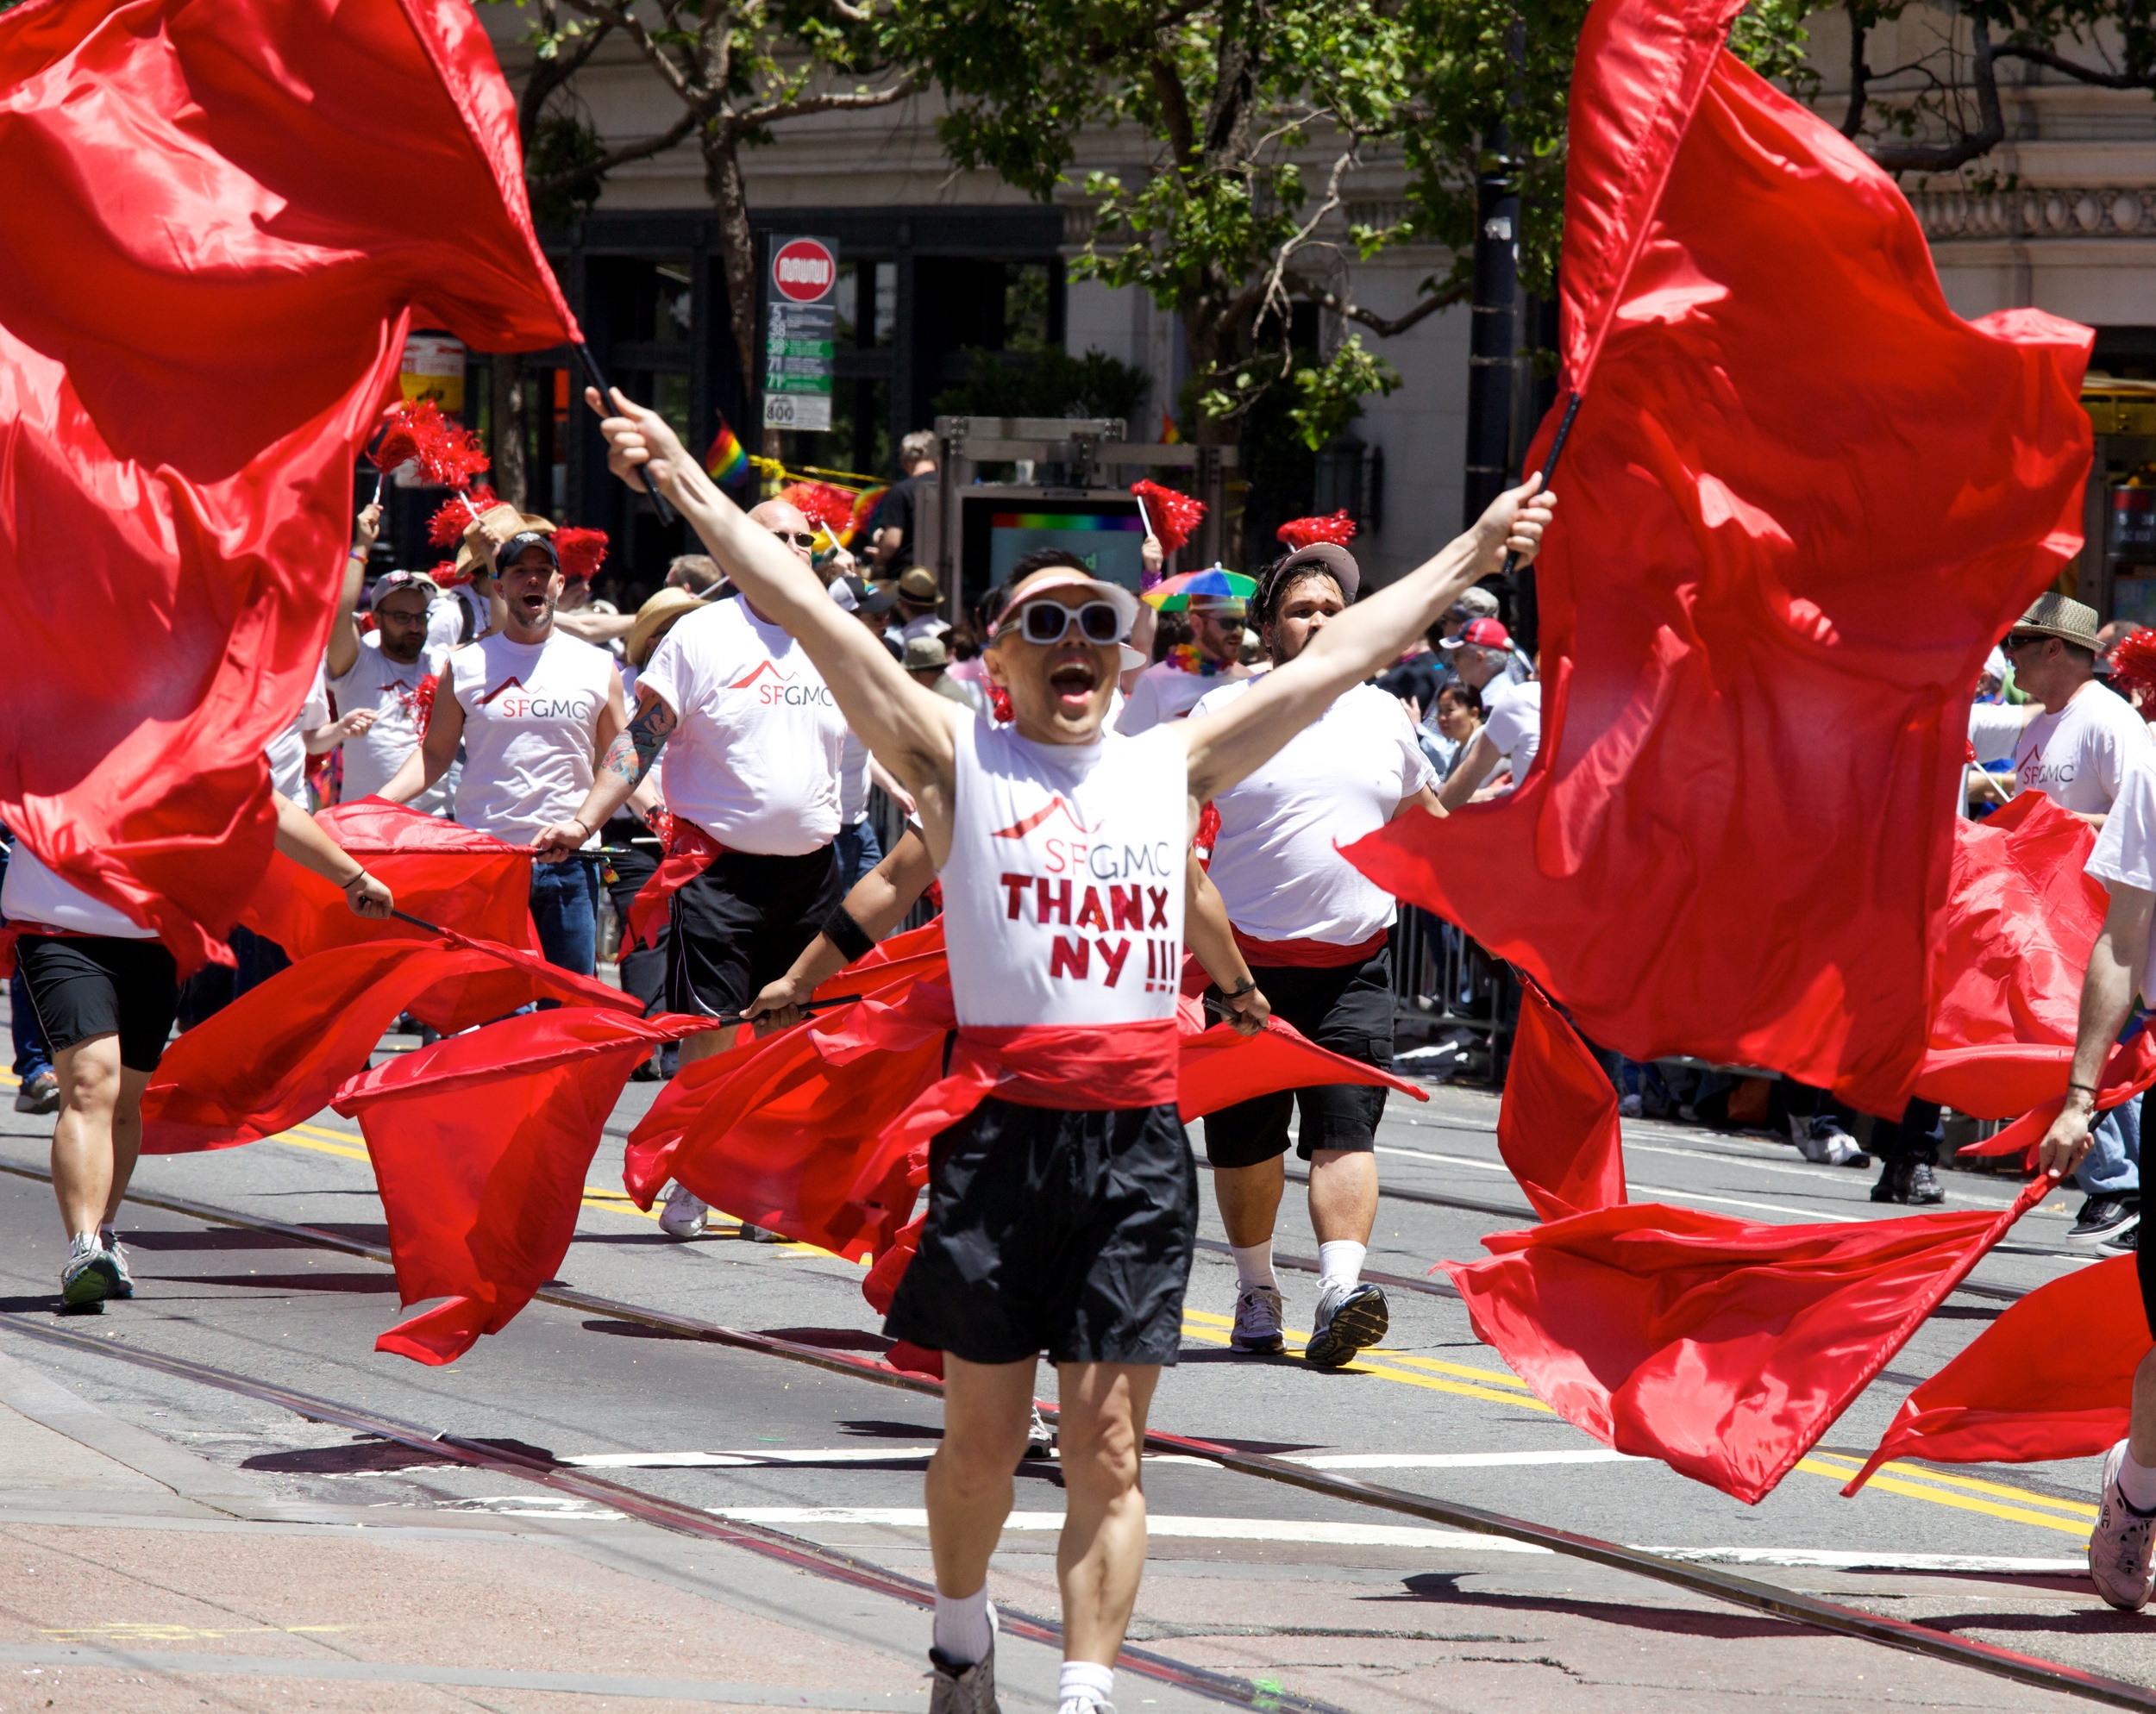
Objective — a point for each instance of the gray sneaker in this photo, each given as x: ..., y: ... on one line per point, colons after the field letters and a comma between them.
x: 962, y: 1690
x: 111, y: 1241
x: 1347, y: 1321
x: 88, y: 1276
x: 1824, y: 1141
x: 2119, y: 1550
x: 1040, y: 1439
x: 1256, y: 1321
x: 685, y: 1214
x: 39, y: 1094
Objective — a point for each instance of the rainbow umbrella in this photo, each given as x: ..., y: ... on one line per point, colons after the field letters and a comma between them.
x: 1215, y: 583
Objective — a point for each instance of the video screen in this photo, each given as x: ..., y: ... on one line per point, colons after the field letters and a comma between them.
x: 998, y: 529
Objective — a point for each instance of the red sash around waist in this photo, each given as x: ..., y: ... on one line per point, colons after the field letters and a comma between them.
x: 689, y: 852
x: 1086, y: 1068
x: 1309, y: 954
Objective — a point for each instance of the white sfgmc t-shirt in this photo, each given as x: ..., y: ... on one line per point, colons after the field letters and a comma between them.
x: 33, y: 894
x: 530, y: 731
x: 286, y: 752
x: 391, y: 688
x: 2078, y: 756
x: 2126, y: 845
x: 754, y: 760
x: 1515, y: 726
x: 1340, y: 778
x: 1063, y: 892
x: 1165, y: 693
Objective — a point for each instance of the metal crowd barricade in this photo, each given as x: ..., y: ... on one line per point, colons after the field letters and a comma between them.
x: 1448, y: 992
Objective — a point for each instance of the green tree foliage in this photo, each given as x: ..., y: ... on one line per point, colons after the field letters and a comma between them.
x: 1047, y: 383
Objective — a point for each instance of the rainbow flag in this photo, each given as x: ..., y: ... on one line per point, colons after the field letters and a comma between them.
x: 1169, y: 435
x: 865, y: 504
x: 727, y: 459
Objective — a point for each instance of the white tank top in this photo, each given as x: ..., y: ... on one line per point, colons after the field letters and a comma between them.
x: 530, y: 729
x: 1063, y: 892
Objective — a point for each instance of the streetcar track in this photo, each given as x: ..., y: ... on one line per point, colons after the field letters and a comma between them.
x: 1708, y: 1580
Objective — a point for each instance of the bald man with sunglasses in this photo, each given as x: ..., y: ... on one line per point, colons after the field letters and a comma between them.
x: 1063, y: 1208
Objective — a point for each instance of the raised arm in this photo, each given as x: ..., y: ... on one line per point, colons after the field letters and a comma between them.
x: 344, y: 630
x: 1229, y: 744
x: 912, y: 731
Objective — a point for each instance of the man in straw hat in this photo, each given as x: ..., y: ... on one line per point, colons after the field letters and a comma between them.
x: 1063, y: 1207
x: 2075, y: 739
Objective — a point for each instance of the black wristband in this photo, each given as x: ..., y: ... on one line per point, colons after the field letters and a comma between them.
x: 848, y: 935
x: 1247, y: 986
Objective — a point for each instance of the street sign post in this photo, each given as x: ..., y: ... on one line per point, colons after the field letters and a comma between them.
x: 800, y: 333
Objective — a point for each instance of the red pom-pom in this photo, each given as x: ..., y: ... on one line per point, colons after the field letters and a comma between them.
x: 448, y: 454
x: 582, y: 552
x: 2134, y: 664
x: 1173, y: 514
x: 455, y: 516
x: 1299, y: 533
x: 447, y: 576
x: 830, y: 508
x: 422, y: 700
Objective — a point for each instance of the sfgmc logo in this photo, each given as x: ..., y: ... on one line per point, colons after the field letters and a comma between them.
x: 508, y: 700
x: 774, y: 688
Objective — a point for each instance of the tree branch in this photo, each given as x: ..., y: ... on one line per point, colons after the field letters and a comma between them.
x: 2080, y: 74
x: 620, y: 157
x: 1989, y: 134
x: 1859, y: 74
x: 1385, y: 326
x: 836, y: 101
x: 1175, y: 109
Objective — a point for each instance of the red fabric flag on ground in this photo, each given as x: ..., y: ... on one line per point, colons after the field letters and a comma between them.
x: 2052, y: 1378
x: 1800, y: 500
x: 454, y: 877
x: 278, y: 1053
x: 481, y: 1145
x: 1557, y: 1127
x: 219, y: 216
x: 1724, y: 1348
x: 2021, y: 918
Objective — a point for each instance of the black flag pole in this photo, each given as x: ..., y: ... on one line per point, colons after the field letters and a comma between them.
x: 1549, y: 466
x: 606, y: 393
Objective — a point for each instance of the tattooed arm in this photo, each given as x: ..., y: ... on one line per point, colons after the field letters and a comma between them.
x: 622, y: 763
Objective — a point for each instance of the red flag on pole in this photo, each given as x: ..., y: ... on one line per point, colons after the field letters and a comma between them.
x: 220, y: 215
x: 1802, y: 500
x: 456, y: 877
x: 1724, y: 1348
x: 2052, y: 1378
x: 1557, y: 1127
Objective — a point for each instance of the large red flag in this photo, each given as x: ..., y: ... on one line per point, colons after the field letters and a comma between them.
x: 1801, y: 501
x: 1724, y: 1348
x: 278, y: 1053
x: 2052, y: 1378
x: 1557, y: 1127
x: 481, y: 1145
x: 2021, y: 917
x: 219, y: 216
x: 454, y: 877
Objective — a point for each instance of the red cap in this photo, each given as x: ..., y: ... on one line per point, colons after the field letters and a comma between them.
x: 1482, y: 632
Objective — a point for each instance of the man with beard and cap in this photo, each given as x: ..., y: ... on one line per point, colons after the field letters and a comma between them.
x: 534, y: 708
x: 1315, y: 932
x: 1063, y: 1209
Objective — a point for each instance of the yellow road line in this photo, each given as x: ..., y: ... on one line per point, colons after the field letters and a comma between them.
x: 1924, y: 1474
x: 1958, y: 1502
x: 1213, y: 1336
x: 1498, y: 1376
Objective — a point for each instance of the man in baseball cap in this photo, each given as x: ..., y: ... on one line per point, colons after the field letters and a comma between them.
x: 1483, y: 656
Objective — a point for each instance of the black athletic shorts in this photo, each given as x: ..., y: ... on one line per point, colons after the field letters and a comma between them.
x: 2144, y: 1267
x: 96, y: 985
x: 1349, y: 1009
x: 1048, y: 1231
x: 738, y: 927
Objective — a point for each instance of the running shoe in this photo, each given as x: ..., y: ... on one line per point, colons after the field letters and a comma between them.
x: 110, y: 1240
x: 1040, y: 1439
x: 1907, y: 1181
x: 685, y: 1215
x: 1823, y: 1140
x: 2103, y: 1217
x: 1630, y: 1107
x: 962, y: 1690
x: 39, y: 1094
x: 1256, y: 1321
x: 88, y: 1276
x: 761, y: 1235
x: 2124, y: 1241
x: 2119, y: 1550
x: 1349, y: 1318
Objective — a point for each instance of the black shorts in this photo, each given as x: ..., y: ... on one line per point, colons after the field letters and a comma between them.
x: 2144, y: 1268
x: 738, y: 927
x: 1048, y: 1231
x: 1349, y: 1009
x: 95, y: 985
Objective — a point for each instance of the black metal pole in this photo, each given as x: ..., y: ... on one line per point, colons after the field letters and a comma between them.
x: 606, y: 395
x: 1493, y: 332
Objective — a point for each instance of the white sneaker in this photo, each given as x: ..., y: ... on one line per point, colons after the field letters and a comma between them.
x: 1256, y: 1321
x: 1629, y: 1106
x: 1823, y: 1141
x: 1348, y: 1319
x: 685, y: 1215
x: 110, y: 1240
x: 1040, y: 1439
x: 2120, y: 1547
x: 88, y: 1275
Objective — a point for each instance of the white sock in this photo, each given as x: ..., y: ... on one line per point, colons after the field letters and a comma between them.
x: 1254, y: 1264
x: 1340, y: 1263
x: 1085, y: 1687
x: 2137, y: 1483
x: 965, y: 1626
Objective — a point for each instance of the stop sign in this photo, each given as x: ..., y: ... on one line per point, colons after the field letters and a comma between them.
x: 804, y: 270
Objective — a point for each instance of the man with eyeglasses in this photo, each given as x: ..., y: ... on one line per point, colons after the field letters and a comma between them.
x: 533, y: 708
x: 1063, y: 1206
x: 1170, y: 687
x: 2077, y: 750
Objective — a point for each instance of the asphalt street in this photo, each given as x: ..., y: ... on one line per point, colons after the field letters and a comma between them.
x: 1299, y: 1593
